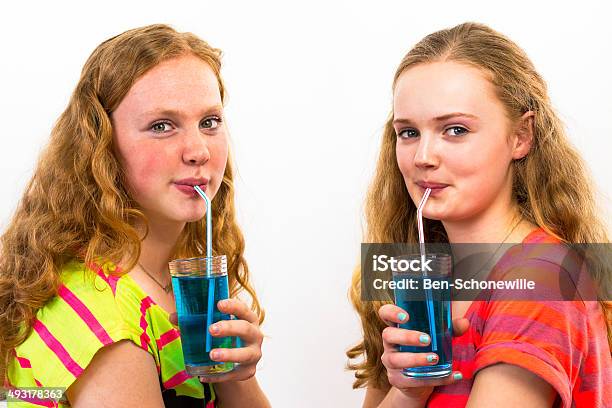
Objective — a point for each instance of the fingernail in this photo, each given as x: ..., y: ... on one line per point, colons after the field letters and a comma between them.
x: 458, y: 376
x: 431, y: 358
x: 401, y: 316
x: 222, y: 303
x: 424, y: 338
x: 214, y: 328
x: 215, y: 355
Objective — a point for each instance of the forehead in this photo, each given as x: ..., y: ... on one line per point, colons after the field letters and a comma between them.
x: 178, y: 83
x: 435, y: 89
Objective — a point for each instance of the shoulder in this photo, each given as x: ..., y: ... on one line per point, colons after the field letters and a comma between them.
x: 546, y: 291
x: 542, y: 246
x: 99, y: 297
x: 540, y: 235
x: 85, y: 316
x: 554, y: 270
x: 554, y: 331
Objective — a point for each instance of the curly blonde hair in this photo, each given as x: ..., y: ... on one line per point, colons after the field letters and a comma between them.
x: 550, y: 185
x: 77, y: 206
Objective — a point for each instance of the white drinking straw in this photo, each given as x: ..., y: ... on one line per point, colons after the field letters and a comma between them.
x: 420, y: 221
x: 430, y: 309
x: 209, y: 251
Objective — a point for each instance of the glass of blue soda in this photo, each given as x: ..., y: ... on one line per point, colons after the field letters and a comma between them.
x: 426, y: 296
x: 196, y: 283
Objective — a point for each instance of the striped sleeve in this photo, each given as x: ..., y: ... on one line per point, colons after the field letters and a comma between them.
x: 548, y: 338
x: 70, y: 329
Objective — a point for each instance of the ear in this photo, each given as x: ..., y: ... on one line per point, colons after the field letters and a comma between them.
x: 523, y: 135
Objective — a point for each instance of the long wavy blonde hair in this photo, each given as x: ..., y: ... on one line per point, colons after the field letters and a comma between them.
x: 550, y: 185
x: 77, y: 206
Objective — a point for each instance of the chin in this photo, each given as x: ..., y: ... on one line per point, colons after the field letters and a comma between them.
x: 436, y: 215
x: 433, y: 217
x: 188, y: 216
x: 194, y: 218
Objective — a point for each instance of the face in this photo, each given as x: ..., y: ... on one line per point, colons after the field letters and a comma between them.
x: 454, y: 136
x: 169, y: 135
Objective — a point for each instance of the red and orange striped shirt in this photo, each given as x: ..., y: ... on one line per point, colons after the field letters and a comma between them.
x: 563, y: 342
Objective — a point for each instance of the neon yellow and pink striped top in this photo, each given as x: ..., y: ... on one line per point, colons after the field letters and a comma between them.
x: 91, y: 310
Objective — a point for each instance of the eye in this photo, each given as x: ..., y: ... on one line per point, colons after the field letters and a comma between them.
x: 212, y: 122
x: 456, y: 130
x: 161, y: 127
x: 408, y: 133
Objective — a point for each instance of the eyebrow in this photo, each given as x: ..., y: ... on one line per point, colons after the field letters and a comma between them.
x: 437, y: 119
x: 174, y: 112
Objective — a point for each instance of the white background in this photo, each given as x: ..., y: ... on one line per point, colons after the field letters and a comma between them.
x: 309, y: 90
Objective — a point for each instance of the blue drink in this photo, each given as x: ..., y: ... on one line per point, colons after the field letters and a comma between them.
x: 193, y: 289
x: 429, y: 312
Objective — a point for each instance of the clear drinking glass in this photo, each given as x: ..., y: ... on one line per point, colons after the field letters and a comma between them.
x: 429, y: 311
x: 194, y: 290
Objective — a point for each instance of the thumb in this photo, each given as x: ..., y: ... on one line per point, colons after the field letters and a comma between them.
x: 460, y: 326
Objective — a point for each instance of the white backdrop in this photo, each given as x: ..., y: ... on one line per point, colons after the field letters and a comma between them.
x: 309, y: 90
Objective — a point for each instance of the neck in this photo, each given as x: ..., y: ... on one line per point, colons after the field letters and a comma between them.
x: 157, y: 247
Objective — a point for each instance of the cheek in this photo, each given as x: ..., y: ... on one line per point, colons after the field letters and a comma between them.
x: 143, y: 167
x: 404, y: 156
x: 482, y: 177
x: 218, y: 156
x: 487, y: 163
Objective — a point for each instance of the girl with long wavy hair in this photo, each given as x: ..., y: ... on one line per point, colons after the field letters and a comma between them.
x: 471, y: 119
x: 84, y: 299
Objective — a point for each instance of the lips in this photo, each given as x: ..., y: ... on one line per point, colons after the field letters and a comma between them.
x: 187, y: 185
x: 428, y: 184
x: 436, y: 188
x: 200, y: 181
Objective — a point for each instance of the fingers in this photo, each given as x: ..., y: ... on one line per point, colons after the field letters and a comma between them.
x: 403, y: 337
x: 392, y: 314
x: 393, y: 336
x: 243, y: 355
x: 239, y: 309
x: 398, y: 361
x: 395, y: 361
x: 460, y: 326
x: 235, y: 307
x: 248, y: 332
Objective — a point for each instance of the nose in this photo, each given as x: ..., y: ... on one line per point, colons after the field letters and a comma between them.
x: 195, y: 149
x: 426, y: 155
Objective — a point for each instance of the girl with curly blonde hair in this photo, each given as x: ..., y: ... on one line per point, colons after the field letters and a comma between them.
x: 84, y: 299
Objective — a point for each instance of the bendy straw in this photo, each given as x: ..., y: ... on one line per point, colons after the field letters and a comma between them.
x: 428, y: 294
x: 209, y: 254
x: 420, y: 220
